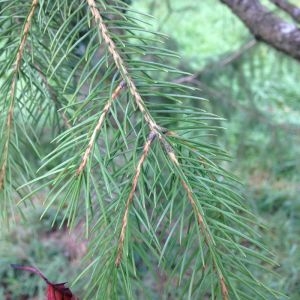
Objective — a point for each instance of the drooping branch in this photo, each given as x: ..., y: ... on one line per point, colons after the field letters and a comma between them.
x: 13, y: 88
x: 97, y: 128
x: 120, y: 64
x: 200, y: 218
x: 267, y: 26
x: 150, y: 139
x: 289, y: 8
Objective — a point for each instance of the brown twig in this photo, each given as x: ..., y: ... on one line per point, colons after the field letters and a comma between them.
x: 146, y: 149
x: 224, y: 289
x: 13, y: 87
x: 120, y: 64
x: 171, y: 10
x: 105, y: 110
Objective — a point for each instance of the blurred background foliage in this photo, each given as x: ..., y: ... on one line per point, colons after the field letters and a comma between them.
x: 256, y: 90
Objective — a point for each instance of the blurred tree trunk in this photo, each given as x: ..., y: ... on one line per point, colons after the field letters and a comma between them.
x: 268, y: 27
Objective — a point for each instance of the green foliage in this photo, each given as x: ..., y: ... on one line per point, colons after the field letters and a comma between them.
x: 124, y: 151
x: 256, y: 89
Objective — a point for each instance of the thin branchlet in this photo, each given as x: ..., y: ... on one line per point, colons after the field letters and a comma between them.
x: 13, y: 87
x: 121, y: 65
x: 169, y: 150
x: 200, y: 219
x: 97, y: 128
x: 152, y: 135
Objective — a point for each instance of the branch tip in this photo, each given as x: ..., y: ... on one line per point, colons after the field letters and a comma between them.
x: 10, y: 113
x: 97, y: 128
x: 151, y: 137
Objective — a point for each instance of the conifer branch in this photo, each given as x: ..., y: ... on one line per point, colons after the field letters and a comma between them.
x: 154, y: 128
x: 188, y: 167
x: 119, y: 62
x: 13, y: 88
x: 200, y: 219
x: 152, y: 135
x: 105, y: 110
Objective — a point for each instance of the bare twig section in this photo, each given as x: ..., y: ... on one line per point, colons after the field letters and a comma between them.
x: 237, y: 54
x: 170, y: 11
x: 146, y: 149
x: 13, y: 87
x: 289, y: 8
x: 100, y: 122
x: 223, y: 62
x: 121, y: 65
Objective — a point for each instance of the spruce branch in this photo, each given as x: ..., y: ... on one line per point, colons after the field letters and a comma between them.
x: 97, y: 128
x: 152, y: 125
x: 168, y: 148
x: 152, y: 135
x: 121, y: 66
x: 13, y: 87
x: 102, y: 149
x: 155, y: 130
x: 200, y: 218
